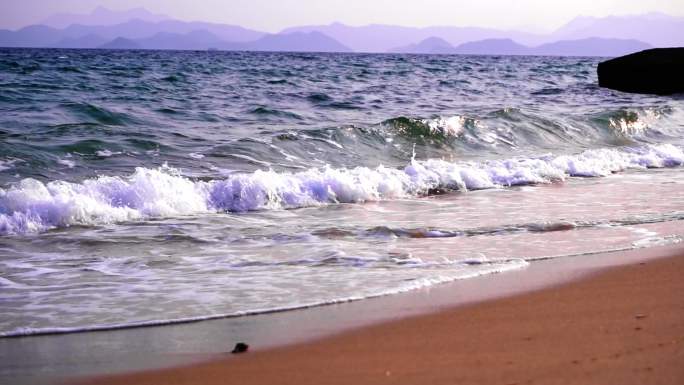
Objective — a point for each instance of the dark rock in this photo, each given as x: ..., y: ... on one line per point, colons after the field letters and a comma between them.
x: 240, y: 347
x: 653, y: 71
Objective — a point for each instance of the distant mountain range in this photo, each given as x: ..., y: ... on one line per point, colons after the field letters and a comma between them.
x: 102, y: 16
x: 655, y: 29
x: 141, y: 29
x: 582, y: 47
x: 203, y: 40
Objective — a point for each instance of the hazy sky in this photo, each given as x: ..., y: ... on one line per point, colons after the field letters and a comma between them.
x: 274, y: 15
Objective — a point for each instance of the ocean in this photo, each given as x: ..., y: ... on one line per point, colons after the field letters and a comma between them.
x: 156, y: 187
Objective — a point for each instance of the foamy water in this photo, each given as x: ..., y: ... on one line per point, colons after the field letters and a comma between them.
x: 32, y: 206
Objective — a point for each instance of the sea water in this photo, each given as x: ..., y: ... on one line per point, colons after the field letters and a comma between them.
x: 155, y: 187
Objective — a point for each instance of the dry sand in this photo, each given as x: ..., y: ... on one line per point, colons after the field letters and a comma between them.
x: 621, y: 326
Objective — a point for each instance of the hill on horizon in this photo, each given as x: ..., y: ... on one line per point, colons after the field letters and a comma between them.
x: 579, y: 47
x: 101, y: 16
x: 606, y: 36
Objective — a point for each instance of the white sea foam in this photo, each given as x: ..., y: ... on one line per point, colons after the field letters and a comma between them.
x: 33, y: 206
x: 106, y: 153
x: 635, y: 124
x: 451, y: 126
x: 66, y: 162
x: 465, y: 272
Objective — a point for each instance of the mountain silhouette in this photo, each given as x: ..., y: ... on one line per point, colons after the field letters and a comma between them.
x: 580, y: 47
x: 591, y: 47
x: 120, y: 43
x: 87, y: 41
x: 583, y: 36
x: 101, y: 16
x: 493, y: 47
x: 203, y: 40
x: 298, y: 42
x: 656, y: 29
x: 385, y: 38
x: 431, y: 45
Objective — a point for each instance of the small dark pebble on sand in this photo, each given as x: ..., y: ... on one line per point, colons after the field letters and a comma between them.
x: 240, y: 347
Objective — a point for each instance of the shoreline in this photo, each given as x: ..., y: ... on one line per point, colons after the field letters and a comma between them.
x: 612, y: 325
x: 56, y: 358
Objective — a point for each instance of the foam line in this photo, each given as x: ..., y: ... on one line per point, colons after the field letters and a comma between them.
x: 33, y: 206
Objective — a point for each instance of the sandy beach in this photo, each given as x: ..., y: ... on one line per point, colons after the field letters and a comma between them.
x: 623, y: 325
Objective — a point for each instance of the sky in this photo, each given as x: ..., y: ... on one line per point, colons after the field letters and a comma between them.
x: 275, y: 15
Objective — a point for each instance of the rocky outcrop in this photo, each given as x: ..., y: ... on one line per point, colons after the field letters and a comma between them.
x: 653, y: 71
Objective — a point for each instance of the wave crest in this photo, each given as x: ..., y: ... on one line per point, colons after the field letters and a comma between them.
x: 33, y: 206
x: 631, y: 123
x: 437, y: 128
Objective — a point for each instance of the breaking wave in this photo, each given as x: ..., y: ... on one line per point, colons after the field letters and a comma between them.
x: 449, y: 127
x: 32, y: 206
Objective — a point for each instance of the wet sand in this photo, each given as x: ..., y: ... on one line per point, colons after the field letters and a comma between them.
x: 624, y: 325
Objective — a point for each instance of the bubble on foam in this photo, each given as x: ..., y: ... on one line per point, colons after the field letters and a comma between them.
x: 33, y: 206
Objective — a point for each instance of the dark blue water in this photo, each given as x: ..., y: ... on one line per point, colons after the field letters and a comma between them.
x: 145, y: 187
x: 77, y: 114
